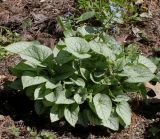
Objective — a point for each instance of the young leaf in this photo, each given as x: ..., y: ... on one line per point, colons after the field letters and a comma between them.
x: 86, y: 16
x: 84, y: 72
x: 103, y: 106
x: 71, y: 114
x: 78, y: 47
x: 124, y: 111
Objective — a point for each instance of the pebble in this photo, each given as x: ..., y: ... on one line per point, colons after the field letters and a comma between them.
x: 1, y: 117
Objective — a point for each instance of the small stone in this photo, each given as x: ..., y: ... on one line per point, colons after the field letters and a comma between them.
x: 1, y: 117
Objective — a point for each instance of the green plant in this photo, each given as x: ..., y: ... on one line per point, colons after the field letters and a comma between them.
x: 106, y: 12
x: 3, y: 52
x: 84, y: 79
x: 153, y: 131
x: 14, y: 131
x: 6, y: 37
x: 33, y: 134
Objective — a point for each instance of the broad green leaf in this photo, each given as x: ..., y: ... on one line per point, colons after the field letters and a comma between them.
x: 56, y: 113
x: 124, y: 111
x: 93, y: 118
x: 103, y: 106
x: 36, y: 52
x: 86, y: 16
x: 47, y: 103
x: 61, y: 97
x: 32, y: 60
x: 87, y: 30
x: 51, y: 85
x: 23, y: 65
x: 103, y: 49
x: 82, y: 119
x: 55, y: 51
x: 112, y: 43
x: 30, y: 92
x: 28, y: 79
x: 64, y: 57
x: 112, y: 123
x: 63, y: 72
x: 39, y: 107
x: 79, y: 47
x: 78, y: 98
x: 71, y: 113
x: 16, y: 85
x: 138, y: 73
x: 120, y: 63
x: 78, y: 81
x: 30, y: 51
x: 148, y: 63
x: 18, y: 47
x: 50, y: 95
x: 39, y: 93
x: 120, y: 98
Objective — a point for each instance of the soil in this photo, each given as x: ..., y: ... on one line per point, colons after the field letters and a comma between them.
x: 36, y: 20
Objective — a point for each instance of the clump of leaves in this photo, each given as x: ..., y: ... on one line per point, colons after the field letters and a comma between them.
x: 33, y: 134
x: 106, y: 12
x: 6, y: 37
x: 109, y: 12
x: 3, y: 52
x: 14, y: 131
x: 84, y: 81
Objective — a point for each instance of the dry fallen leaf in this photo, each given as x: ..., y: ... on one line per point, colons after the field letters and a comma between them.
x: 122, y: 38
x: 2, y: 77
x: 136, y: 31
x: 155, y: 88
x: 139, y: 2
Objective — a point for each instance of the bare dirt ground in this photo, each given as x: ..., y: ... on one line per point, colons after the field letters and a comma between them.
x: 35, y: 20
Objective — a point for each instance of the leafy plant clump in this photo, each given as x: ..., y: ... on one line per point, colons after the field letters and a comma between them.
x: 6, y: 37
x: 84, y: 81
